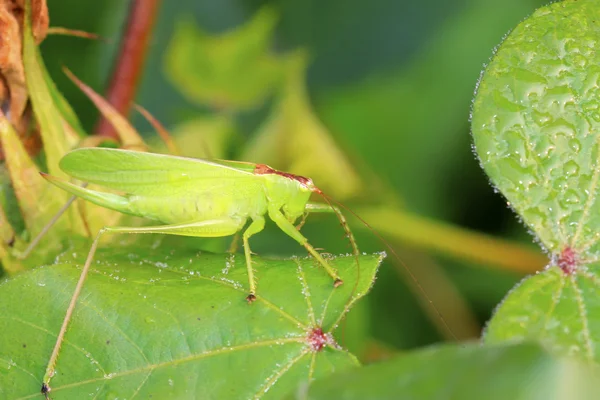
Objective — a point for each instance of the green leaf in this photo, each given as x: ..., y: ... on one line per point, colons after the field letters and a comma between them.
x: 536, y: 124
x: 38, y: 202
x: 46, y: 112
x: 55, y: 140
x: 562, y: 313
x: 65, y: 109
x: 175, y: 324
x: 235, y: 70
x: 516, y: 372
x: 536, y: 127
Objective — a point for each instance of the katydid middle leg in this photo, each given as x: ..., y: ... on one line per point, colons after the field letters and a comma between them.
x: 210, y: 228
x: 286, y: 226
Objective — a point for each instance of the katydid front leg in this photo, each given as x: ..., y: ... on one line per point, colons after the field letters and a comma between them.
x: 286, y: 226
x: 212, y: 228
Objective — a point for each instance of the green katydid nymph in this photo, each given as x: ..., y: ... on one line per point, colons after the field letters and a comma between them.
x: 190, y: 197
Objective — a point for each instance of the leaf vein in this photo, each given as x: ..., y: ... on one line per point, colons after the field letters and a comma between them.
x: 195, y: 357
x: 278, y: 374
x: 259, y: 298
x: 584, y: 319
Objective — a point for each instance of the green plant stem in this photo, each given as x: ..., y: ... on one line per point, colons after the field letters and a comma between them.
x: 452, y: 240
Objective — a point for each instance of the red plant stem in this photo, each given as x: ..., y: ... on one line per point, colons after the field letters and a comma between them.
x: 127, y: 70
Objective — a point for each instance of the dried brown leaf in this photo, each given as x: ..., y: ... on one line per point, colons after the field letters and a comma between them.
x: 13, y: 91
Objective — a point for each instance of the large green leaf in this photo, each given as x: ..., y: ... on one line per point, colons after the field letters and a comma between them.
x: 175, y: 324
x: 536, y: 128
x: 536, y: 124
x: 516, y: 372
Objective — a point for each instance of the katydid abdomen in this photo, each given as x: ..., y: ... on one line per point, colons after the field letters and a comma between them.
x: 179, y: 204
x: 245, y: 202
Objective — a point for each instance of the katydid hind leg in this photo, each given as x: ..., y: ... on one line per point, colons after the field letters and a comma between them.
x: 233, y: 246
x: 36, y: 240
x: 210, y: 228
x: 289, y: 228
x: 257, y: 225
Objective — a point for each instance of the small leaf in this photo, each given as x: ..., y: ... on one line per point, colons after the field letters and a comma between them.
x: 235, y: 70
x: 176, y: 325
x: 562, y: 313
x: 465, y: 372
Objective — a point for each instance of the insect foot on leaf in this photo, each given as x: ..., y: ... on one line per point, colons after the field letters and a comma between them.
x: 45, y: 390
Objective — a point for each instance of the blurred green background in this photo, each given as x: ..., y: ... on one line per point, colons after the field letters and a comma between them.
x: 392, y: 83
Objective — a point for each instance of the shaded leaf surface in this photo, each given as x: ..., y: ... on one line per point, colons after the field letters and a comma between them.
x: 174, y: 325
x: 464, y: 372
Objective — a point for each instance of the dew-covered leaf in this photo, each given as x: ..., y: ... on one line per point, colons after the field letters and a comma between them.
x: 175, y: 324
x: 561, y: 312
x: 465, y: 372
x: 536, y: 126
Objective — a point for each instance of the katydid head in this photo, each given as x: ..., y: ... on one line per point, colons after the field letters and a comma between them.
x: 295, y: 205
